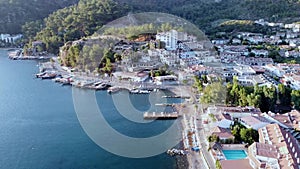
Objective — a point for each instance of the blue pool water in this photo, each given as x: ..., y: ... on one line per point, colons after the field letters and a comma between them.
x: 234, y: 154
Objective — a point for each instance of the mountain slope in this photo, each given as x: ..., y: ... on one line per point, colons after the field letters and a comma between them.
x: 202, y: 13
x: 77, y: 21
x: 14, y: 13
x: 87, y: 16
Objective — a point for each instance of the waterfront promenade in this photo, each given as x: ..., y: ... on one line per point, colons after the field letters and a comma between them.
x: 192, y: 119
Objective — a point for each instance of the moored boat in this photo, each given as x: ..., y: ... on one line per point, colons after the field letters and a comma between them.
x: 139, y: 91
x: 39, y: 75
x: 113, y: 89
x: 49, y: 76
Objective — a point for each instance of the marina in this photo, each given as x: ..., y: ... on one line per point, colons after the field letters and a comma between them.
x: 68, y: 76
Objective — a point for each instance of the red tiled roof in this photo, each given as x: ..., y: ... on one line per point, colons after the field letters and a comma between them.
x: 286, y: 145
x: 235, y: 164
x: 252, y: 120
x: 222, y: 133
x: 266, y: 150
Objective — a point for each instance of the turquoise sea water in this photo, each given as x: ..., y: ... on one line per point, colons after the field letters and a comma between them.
x: 234, y: 154
x: 39, y: 128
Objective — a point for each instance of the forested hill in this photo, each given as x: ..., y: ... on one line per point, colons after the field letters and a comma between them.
x: 84, y: 18
x: 76, y: 21
x: 204, y: 12
x: 14, y: 13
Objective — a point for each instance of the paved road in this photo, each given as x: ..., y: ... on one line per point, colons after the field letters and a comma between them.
x: 195, y: 159
x: 196, y: 114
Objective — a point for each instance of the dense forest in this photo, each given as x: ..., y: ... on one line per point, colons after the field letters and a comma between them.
x: 205, y: 13
x: 15, y: 13
x: 84, y: 18
x: 75, y: 22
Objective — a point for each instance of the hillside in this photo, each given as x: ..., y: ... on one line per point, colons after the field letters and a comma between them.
x: 14, y: 13
x: 203, y: 13
x: 77, y: 21
x: 84, y: 18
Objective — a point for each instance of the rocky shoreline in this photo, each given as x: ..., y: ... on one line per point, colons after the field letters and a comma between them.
x: 182, y: 161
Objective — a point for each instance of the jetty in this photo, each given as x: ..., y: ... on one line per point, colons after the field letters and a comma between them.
x: 167, y: 104
x: 161, y: 115
x: 176, y: 96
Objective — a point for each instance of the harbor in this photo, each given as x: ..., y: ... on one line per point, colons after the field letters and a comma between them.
x: 53, y: 71
x: 39, y: 119
x: 67, y: 76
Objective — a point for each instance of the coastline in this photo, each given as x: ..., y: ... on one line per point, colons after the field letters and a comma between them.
x: 10, y: 48
x: 60, y: 142
x: 182, y: 162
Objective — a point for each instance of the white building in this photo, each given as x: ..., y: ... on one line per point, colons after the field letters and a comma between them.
x: 4, y: 37
x: 166, y: 80
x: 244, y: 70
x: 190, y: 61
x: 254, y: 122
x: 280, y: 69
x: 171, y: 38
x: 10, y: 38
x: 260, y: 52
x: 254, y: 61
x: 262, y: 155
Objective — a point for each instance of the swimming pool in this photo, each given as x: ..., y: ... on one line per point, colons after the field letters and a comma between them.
x: 234, y: 154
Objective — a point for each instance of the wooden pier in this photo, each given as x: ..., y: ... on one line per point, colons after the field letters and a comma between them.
x: 161, y: 115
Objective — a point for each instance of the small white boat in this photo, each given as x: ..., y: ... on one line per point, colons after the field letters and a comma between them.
x: 113, y: 89
x: 139, y: 91
x: 39, y: 75
x: 144, y: 91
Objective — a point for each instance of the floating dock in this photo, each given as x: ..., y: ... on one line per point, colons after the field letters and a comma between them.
x: 161, y: 115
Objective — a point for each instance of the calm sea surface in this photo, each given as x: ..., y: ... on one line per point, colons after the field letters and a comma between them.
x: 39, y: 128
